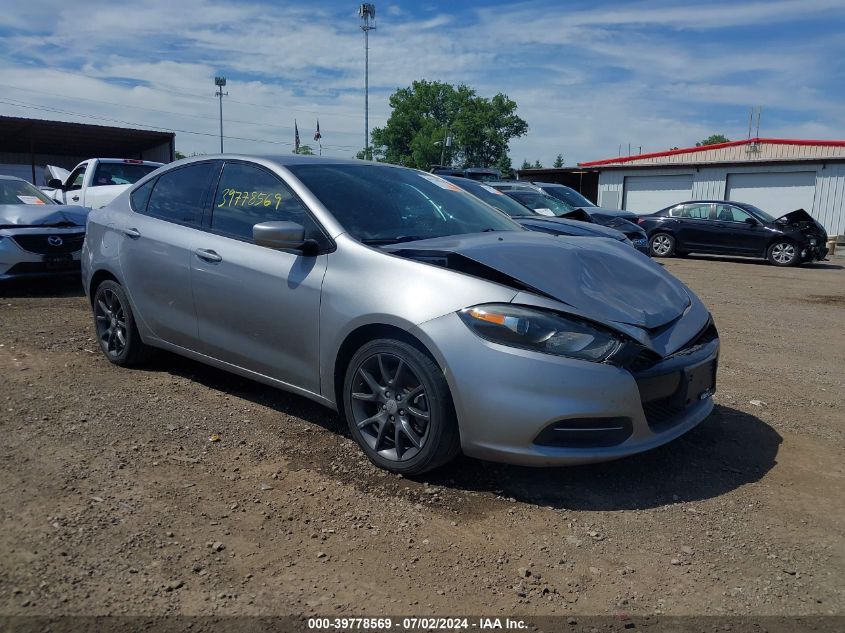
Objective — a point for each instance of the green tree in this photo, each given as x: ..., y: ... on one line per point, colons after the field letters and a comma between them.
x: 558, y: 161
x: 305, y: 150
x: 504, y: 165
x: 525, y: 165
x: 713, y: 139
x: 425, y: 113
x: 537, y: 165
x: 177, y: 155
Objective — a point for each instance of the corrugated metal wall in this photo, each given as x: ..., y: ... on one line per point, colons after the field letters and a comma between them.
x: 709, y: 183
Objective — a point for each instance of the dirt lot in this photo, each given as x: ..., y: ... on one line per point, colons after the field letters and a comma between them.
x: 115, y: 501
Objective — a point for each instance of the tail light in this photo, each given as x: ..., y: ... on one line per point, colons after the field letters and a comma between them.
x: 640, y: 220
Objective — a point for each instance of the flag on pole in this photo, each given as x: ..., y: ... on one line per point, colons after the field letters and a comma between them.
x: 317, y: 135
x: 295, y: 138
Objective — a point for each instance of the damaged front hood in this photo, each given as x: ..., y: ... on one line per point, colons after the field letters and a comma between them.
x: 793, y: 217
x: 19, y: 215
x: 603, y: 279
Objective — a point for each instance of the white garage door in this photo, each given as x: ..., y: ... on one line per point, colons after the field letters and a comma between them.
x: 647, y: 194
x: 775, y: 193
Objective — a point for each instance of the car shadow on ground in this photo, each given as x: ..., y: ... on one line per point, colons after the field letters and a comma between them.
x: 728, y: 450
x: 69, y: 286
x: 824, y: 265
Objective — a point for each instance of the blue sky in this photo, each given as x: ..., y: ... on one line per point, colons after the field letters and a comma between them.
x: 587, y: 76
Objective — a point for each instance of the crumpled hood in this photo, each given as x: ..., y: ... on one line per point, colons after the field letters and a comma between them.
x: 799, y: 215
x: 602, y: 279
x: 42, y: 214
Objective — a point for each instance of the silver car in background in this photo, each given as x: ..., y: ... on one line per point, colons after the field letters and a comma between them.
x: 38, y: 238
x: 432, y: 322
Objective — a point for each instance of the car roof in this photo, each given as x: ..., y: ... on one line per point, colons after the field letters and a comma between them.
x: 549, y: 184
x: 287, y: 160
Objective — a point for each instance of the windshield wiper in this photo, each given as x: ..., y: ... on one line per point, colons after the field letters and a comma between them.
x: 395, y: 240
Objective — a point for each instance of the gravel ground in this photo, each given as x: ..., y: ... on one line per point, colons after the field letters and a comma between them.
x: 114, y: 501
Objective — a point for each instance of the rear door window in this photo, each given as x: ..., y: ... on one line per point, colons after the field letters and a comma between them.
x: 696, y: 211
x: 180, y: 195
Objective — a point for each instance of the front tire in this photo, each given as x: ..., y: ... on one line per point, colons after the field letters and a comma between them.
x: 662, y: 245
x: 399, y: 408
x: 115, y: 326
x: 783, y: 253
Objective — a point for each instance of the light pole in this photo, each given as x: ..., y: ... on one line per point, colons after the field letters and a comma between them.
x: 220, y: 82
x: 367, y: 13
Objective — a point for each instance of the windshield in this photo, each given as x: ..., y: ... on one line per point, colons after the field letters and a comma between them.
x: 383, y: 205
x: 535, y: 200
x: 120, y: 173
x: 762, y: 215
x: 570, y: 196
x: 493, y: 197
x: 15, y: 191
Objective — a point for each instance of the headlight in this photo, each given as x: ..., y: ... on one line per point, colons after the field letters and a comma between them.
x: 541, y: 331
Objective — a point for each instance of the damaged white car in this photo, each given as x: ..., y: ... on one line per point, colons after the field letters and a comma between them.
x: 97, y: 181
x: 37, y: 236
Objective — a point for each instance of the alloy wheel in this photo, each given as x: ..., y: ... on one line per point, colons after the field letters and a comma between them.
x: 661, y: 245
x: 390, y: 407
x: 783, y: 253
x: 111, y: 322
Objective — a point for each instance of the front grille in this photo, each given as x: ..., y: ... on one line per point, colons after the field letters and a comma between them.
x: 40, y: 243
x: 586, y: 432
x: 28, y: 268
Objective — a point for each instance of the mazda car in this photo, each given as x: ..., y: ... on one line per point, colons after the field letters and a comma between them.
x: 38, y: 237
x: 430, y: 321
x: 735, y: 228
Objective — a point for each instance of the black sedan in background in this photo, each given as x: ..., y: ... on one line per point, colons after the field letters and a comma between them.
x: 532, y: 220
x: 735, y: 228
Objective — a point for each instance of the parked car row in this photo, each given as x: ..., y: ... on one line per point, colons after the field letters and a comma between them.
x: 422, y: 309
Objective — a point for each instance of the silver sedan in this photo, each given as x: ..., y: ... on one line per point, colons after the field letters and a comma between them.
x: 430, y: 321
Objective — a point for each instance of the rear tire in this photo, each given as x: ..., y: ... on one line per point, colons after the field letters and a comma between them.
x: 399, y: 408
x: 115, y: 326
x: 783, y: 253
x: 662, y: 245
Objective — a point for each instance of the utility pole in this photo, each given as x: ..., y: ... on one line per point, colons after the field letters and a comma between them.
x: 367, y: 13
x: 220, y: 82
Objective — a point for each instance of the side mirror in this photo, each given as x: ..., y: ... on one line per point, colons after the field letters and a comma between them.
x: 283, y: 236
x: 751, y: 222
x: 55, y: 183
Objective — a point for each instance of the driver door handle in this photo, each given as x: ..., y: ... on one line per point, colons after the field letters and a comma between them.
x: 75, y: 198
x: 133, y: 233
x: 208, y: 255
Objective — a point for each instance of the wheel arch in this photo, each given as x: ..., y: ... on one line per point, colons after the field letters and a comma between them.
x: 358, y: 337
x: 96, y: 279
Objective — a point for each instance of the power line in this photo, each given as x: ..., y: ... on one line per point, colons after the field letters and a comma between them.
x: 184, y: 114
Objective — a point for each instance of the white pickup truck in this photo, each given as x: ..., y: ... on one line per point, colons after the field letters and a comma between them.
x: 97, y: 181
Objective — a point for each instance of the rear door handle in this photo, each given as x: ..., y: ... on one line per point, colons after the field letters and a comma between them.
x: 133, y: 233
x: 208, y: 255
x: 75, y: 198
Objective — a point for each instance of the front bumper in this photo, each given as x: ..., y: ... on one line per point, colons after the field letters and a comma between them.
x: 17, y: 263
x: 508, y: 400
x: 641, y: 244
